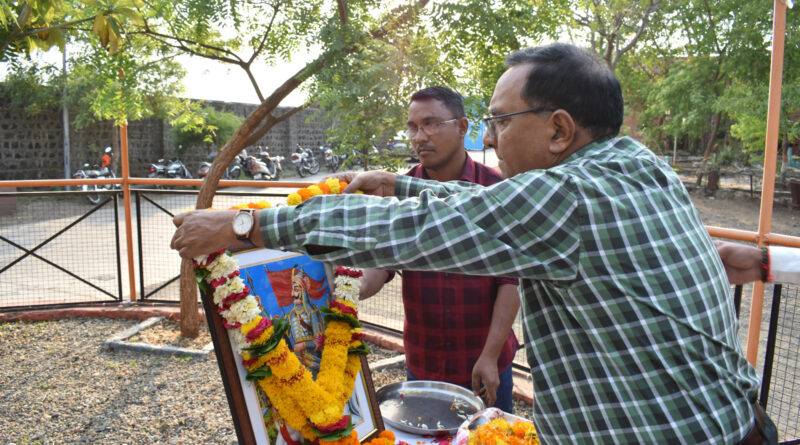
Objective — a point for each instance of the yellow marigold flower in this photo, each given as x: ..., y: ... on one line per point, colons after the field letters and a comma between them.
x: 334, y: 185
x: 239, y: 206
x: 263, y: 204
x: 293, y: 199
x: 314, y: 190
x: 265, y: 336
x: 246, y: 327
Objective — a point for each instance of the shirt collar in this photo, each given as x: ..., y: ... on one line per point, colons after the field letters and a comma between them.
x: 590, y: 148
x: 467, y: 173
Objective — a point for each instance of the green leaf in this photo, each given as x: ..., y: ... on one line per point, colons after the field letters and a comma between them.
x: 281, y: 326
x: 362, y: 349
x: 334, y: 435
x: 333, y: 316
x: 258, y: 374
x: 131, y: 14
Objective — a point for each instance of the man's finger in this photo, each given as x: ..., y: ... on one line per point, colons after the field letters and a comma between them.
x: 178, y: 219
x: 353, y: 186
x: 174, y: 242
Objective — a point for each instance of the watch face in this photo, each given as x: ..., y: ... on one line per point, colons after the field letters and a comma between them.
x: 242, y: 223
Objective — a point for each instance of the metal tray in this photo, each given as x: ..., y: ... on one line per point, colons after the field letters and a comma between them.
x: 427, y: 407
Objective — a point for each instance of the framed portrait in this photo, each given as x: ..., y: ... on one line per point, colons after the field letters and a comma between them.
x: 294, y: 287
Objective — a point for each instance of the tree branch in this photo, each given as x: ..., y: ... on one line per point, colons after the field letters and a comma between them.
x: 264, y: 39
x: 272, y: 121
x: 59, y: 26
x: 164, y: 38
x: 342, y: 12
x: 24, y: 15
x: 651, y: 8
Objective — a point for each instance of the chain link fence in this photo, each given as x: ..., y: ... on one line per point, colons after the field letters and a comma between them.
x: 59, y: 250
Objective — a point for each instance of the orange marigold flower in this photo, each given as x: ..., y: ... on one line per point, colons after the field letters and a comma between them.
x: 304, y: 193
x: 324, y: 187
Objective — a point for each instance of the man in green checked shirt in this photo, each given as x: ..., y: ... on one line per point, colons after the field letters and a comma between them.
x: 630, y: 329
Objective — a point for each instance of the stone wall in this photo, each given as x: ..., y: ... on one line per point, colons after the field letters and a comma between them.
x: 32, y: 147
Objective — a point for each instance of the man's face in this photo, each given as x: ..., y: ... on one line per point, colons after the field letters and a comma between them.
x: 440, y: 149
x: 297, y: 292
x: 521, y: 141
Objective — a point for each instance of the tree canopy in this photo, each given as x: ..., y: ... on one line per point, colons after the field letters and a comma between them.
x: 693, y: 71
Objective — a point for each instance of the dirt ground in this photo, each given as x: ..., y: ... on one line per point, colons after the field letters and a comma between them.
x: 737, y: 210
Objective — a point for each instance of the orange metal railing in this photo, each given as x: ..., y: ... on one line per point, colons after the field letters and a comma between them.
x: 761, y: 237
x: 126, y: 181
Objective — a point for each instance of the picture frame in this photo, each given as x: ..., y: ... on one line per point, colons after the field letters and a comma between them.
x: 270, y: 274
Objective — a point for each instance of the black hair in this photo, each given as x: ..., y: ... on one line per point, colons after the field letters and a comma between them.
x: 563, y: 76
x: 449, y: 97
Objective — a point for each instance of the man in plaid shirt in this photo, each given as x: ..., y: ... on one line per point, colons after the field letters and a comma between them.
x: 457, y: 328
x: 629, y: 325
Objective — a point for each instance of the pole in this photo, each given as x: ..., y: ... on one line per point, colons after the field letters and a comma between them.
x: 770, y: 162
x: 126, y: 198
x: 65, y: 117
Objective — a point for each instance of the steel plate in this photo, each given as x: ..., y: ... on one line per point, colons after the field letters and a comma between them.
x: 427, y: 407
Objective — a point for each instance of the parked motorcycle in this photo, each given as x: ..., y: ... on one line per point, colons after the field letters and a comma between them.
x: 254, y: 167
x: 232, y: 172
x: 333, y: 160
x: 93, y: 171
x: 172, y: 169
x: 273, y: 163
x: 305, y: 162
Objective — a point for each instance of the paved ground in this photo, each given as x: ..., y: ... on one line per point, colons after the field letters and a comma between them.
x: 87, y: 249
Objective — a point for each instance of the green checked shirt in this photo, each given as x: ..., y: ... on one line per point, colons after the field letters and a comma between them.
x: 629, y: 325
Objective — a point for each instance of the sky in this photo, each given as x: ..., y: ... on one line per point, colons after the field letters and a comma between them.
x: 210, y: 80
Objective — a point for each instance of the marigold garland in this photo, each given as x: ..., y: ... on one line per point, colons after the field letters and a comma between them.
x: 314, y: 408
x: 500, y: 431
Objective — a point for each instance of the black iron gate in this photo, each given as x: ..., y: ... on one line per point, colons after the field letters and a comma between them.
x: 40, y: 265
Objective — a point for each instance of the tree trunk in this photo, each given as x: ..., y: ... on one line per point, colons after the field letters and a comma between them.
x: 713, y: 136
x: 190, y: 321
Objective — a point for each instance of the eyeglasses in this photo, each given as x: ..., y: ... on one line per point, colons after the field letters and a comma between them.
x: 429, y: 129
x: 491, y: 123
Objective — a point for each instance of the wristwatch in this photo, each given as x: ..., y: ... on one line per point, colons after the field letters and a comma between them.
x: 243, y: 224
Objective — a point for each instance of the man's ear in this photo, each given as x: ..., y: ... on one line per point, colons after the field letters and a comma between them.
x: 563, y: 129
x: 463, y: 126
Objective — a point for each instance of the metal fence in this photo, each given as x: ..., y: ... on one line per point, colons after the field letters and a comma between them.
x: 58, y: 250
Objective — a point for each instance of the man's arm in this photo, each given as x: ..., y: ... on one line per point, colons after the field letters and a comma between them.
x: 201, y: 232
x: 485, y: 370
x: 383, y: 184
x: 482, y: 231
x: 742, y: 262
x: 372, y: 282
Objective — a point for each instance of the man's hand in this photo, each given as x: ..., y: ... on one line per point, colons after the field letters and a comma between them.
x: 375, y: 182
x: 485, y: 372
x: 202, y: 232
x: 742, y: 262
x: 371, y: 282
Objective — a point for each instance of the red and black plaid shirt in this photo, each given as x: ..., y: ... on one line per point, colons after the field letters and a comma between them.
x: 447, y: 316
